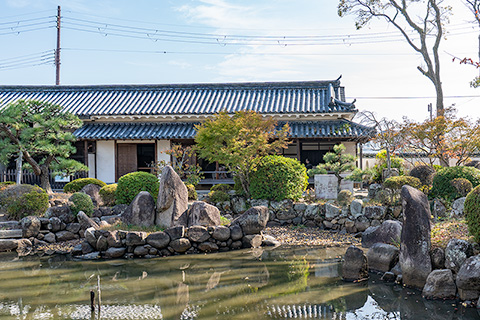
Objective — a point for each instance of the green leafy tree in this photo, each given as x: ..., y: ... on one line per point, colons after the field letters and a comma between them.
x: 43, y: 133
x: 236, y: 141
x: 338, y: 162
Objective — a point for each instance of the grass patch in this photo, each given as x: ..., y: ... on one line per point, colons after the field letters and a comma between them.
x: 130, y: 227
x: 444, y: 231
x: 224, y: 221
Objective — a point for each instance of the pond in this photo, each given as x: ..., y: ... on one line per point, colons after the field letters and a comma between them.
x: 283, y: 283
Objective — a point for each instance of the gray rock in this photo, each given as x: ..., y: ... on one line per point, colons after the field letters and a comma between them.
x: 50, y: 237
x: 8, y: 244
x: 112, y: 219
x: 92, y: 190
x: 198, y: 234
x: 283, y: 209
x: 140, y: 251
x: 11, y: 234
x: 176, y: 232
x: 102, y: 244
x: 55, y: 223
x: 356, y: 208
x: 221, y: 233
x: 269, y: 241
x: 65, y: 236
x: 141, y: 212
x: 415, y: 240
x: 31, y: 226
x: 374, y: 212
x: 259, y: 203
x: 236, y: 245
x: 9, y: 225
x: 362, y: 223
x: 113, y: 239
x: 252, y: 241
x: 397, y: 270
x: 355, y: 265
x: 388, y: 277
x: 236, y: 232
x: 62, y: 212
x: 437, y: 255
x: 90, y: 237
x: 208, y: 247
x: 114, y: 253
x: 439, y: 209
x: 119, y: 209
x: 239, y: 205
x: 373, y: 189
x: 440, y: 285
x: 382, y: 257
x: 468, y: 279
x: 300, y: 208
x: 457, y: 208
x: 180, y: 245
x: 203, y: 214
x: 86, y: 222
x: 253, y: 220
x: 456, y: 252
x: 311, y: 211
x: 73, y: 227
x: 158, y: 240
x: 87, y: 248
x: 90, y: 256
x: 331, y: 211
x: 135, y: 238
x: 172, y: 201
x: 388, y: 232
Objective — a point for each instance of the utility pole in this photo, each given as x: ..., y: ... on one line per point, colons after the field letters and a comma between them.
x: 57, y: 52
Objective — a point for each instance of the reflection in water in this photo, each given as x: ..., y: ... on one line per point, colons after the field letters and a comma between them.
x: 271, y: 284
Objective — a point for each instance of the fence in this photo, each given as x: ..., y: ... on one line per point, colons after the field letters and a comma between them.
x: 29, y: 177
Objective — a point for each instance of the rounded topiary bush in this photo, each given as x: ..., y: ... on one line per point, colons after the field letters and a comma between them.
x: 219, y: 193
x: 23, y: 200
x: 277, y: 178
x: 132, y: 183
x: 396, y: 183
x: 344, y: 198
x: 462, y: 185
x: 78, y: 184
x: 192, y: 193
x: 81, y: 202
x: 442, y: 186
x: 472, y: 212
x: 424, y: 173
x: 108, y: 194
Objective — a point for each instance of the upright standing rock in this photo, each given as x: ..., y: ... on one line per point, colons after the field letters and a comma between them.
x: 141, y: 212
x: 172, y: 202
x: 415, y: 240
x: 203, y: 214
x: 355, y: 265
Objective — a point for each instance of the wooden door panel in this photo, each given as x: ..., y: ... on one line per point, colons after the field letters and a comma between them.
x: 126, y: 158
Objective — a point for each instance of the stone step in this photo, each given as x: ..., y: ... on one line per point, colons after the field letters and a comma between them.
x: 9, y: 225
x: 11, y: 234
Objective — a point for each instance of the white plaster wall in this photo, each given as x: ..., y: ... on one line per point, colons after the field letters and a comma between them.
x: 351, y: 147
x: 91, y: 165
x: 106, y: 161
x: 163, y: 145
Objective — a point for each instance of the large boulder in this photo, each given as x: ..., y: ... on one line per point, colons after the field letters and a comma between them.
x: 382, y: 257
x: 253, y: 220
x: 93, y: 191
x: 388, y: 232
x: 457, y: 208
x: 456, y: 252
x: 440, y: 285
x: 203, y: 214
x: 415, y: 239
x: 172, y: 201
x: 468, y: 279
x: 356, y: 207
x: 31, y: 226
x: 158, y: 240
x: 438, y: 258
x: 331, y: 211
x: 198, y: 234
x: 86, y: 222
x: 355, y: 265
x: 141, y: 212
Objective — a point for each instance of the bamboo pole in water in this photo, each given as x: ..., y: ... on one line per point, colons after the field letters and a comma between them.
x: 99, y: 295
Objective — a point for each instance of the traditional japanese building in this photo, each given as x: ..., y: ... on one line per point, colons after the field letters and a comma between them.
x: 127, y: 127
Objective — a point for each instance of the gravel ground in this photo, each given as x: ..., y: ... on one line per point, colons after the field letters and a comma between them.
x: 292, y: 236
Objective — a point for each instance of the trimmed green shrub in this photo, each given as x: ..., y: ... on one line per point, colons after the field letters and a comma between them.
x: 396, y: 183
x: 132, y: 183
x: 218, y: 196
x: 424, y: 173
x: 344, y: 198
x: 278, y: 178
x: 472, y: 212
x: 81, y: 202
x: 108, y: 194
x: 192, y: 193
x: 462, y: 185
x: 221, y: 187
x: 78, y: 184
x: 442, y: 187
x: 24, y: 200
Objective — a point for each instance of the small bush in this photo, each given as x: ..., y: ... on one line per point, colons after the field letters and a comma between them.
x: 108, y: 194
x: 344, y: 198
x: 472, y: 213
x: 218, y: 196
x: 278, y: 178
x: 312, y: 172
x: 132, y: 183
x: 192, y: 193
x: 424, y: 173
x: 24, y: 200
x: 221, y: 187
x: 396, y: 183
x: 81, y: 202
x: 78, y: 184
x: 238, y: 186
x: 6, y: 184
x: 462, y: 185
x: 442, y: 187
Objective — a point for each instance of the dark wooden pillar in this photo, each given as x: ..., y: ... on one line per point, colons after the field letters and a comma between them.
x: 299, y: 149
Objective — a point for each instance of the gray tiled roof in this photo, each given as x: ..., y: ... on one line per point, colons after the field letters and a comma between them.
x: 162, y: 130
x: 311, y: 97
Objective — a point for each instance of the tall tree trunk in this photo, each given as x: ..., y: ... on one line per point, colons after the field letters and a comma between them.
x: 45, y: 179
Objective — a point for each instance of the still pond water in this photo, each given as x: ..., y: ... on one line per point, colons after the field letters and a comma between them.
x: 248, y: 284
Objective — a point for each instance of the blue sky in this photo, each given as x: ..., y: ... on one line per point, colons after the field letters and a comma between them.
x: 182, y: 41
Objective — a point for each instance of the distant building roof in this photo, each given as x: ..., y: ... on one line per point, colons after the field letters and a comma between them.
x: 186, y: 130
x: 308, y: 97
